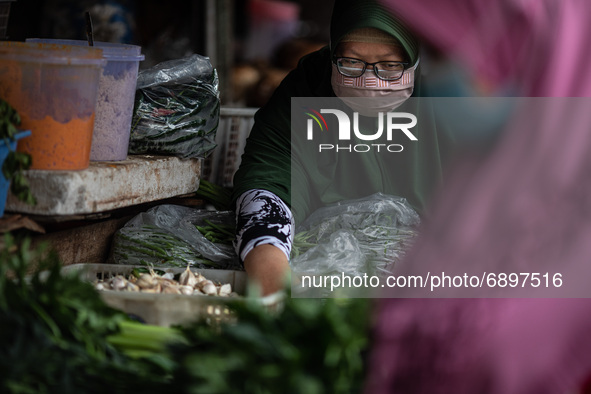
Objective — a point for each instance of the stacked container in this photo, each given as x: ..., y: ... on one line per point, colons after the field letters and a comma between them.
x: 116, y: 94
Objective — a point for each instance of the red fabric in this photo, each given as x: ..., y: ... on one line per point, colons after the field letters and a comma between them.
x: 526, y: 204
x: 541, y: 45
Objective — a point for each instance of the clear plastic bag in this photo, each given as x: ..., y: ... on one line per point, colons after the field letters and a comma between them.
x: 174, y: 235
x: 176, y: 109
x: 355, y: 237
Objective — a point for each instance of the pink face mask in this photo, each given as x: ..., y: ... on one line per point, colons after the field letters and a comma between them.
x: 370, y: 95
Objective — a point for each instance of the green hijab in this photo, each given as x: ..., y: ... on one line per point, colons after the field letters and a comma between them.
x: 349, y: 15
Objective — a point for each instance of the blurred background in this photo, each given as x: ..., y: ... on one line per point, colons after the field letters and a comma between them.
x: 253, y: 44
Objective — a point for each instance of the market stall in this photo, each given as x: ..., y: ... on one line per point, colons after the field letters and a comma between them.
x: 117, y: 268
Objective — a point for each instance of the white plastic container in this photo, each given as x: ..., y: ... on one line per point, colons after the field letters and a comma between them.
x: 116, y: 95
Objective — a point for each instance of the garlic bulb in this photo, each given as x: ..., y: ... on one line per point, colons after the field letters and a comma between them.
x: 118, y: 283
x: 188, y: 278
x: 171, y: 289
x: 154, y: 289
x: 145, y: 281
x: 209, y: 288
x: 186, y: 290
x: 225, y: 289
x: 189, y: 283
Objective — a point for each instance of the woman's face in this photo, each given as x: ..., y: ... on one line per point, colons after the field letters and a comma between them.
x: 371, y: 52
x: 368, y: 97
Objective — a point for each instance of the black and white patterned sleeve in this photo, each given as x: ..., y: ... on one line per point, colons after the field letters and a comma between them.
x: 262, y: 218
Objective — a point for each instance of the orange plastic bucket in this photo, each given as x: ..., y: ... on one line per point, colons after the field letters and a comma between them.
x: 54, y: 89
x: 115, y: 100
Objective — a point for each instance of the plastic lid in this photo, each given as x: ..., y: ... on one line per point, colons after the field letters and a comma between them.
x: 111, y: 51
x: 51, y: 53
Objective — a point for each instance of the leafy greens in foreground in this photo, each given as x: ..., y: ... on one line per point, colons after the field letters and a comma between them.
x: 56, y: 329
x: 58, y: 336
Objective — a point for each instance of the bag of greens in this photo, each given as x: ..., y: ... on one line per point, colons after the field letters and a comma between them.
x: 176, y: 109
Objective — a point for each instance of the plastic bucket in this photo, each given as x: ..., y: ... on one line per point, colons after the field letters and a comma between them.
x: 4, y: 150
x: 116, y: 94
x: 54, y: 89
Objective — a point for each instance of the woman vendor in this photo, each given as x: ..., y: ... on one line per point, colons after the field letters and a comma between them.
x: 371, y: 55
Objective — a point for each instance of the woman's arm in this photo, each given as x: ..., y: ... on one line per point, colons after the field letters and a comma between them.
x: 267, y: 266
x: 264, y: 236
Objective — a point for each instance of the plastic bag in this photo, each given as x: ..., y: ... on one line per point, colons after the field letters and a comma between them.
x: 355, y: 237
x: 176, y: 109
x: 174, y: 235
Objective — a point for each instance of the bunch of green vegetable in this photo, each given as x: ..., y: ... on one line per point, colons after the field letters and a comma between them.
x: 15, y: 163
x: 220, y: 197
x: 175, y: 235
x: 149, y: 245
x: 58, y: 336
x: 310, y: 346
x: 176, y: 109
x: 353, y: 239
x: 218, y: 233
x: 379, y: 241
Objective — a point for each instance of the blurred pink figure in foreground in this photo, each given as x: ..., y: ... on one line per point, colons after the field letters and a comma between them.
x: 527, y: 204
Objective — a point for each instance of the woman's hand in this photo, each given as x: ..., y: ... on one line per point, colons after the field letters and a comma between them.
x: 267, y: 266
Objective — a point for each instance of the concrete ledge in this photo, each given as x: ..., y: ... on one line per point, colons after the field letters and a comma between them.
x: 109, y: 185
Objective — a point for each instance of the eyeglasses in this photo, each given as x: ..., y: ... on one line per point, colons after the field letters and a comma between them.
x: 354, y: 68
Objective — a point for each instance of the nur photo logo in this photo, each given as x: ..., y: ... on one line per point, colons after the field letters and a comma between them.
x: 380, y: 139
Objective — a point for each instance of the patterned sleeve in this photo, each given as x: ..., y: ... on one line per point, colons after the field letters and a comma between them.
x: 262, y: 218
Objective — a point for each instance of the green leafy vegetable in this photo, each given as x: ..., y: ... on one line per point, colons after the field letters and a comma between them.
x: 218, y: 233
x: 177, y: 115
x: 310, y: 346
x: 58, y: 336
x: 15, y: 163
x: 220, y: 197
x: 9, y: 119
x: 152, y: 246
